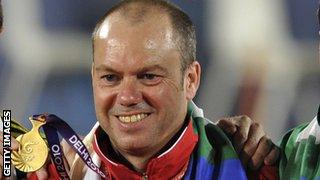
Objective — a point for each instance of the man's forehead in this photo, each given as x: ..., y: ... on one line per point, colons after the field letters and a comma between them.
x: 131, y: 20
x: 116, y: 31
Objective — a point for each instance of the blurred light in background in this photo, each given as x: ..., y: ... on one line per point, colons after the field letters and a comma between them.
x: 259, y: 58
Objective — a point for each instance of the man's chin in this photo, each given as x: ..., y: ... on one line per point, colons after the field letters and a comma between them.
x: 134, y: 148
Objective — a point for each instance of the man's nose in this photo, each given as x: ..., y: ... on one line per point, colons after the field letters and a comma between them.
x: 129, y: 95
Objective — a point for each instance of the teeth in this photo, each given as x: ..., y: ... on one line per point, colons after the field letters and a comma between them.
x: 127, y: 119
x: 132, y: 118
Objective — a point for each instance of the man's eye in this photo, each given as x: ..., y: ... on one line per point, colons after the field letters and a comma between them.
x: 149, y: 79
x: 110, y: 78
x: 148, y: 76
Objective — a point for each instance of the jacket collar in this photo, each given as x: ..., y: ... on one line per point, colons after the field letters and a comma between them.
x: 170, y: 164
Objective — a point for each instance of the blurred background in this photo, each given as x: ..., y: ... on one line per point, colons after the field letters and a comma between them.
x: 259, y: 58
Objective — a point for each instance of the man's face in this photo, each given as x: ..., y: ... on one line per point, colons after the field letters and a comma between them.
x: 140, y: 100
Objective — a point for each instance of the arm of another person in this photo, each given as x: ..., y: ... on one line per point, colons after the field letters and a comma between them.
x: 257, y: 152
x: 250, y: 141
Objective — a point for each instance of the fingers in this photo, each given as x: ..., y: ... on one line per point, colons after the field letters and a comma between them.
x: 68, y: 152
x: 1, y: 160
x: 250, y: 141
x: 1, y: 170
x: 14, y: 144
x: 42, y: 173
x: 273, y: 155
x: 236, y: 127
x: 250, y: 147
x: 227, y: 126
x: 259, y: 155
x: 240, y: 136
x: 1, y: 149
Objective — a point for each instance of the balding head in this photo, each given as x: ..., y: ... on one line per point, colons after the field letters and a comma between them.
x: 137, y: 11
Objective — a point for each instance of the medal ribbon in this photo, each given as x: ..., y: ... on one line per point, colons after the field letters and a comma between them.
x: 54, y: 125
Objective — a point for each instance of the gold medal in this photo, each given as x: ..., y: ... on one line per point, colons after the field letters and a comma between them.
x: 33, y: 151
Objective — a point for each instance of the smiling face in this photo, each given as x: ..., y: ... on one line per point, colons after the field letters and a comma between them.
x: 140, y: 100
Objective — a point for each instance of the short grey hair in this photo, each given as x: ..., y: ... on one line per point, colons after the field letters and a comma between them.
x: 183, y: 27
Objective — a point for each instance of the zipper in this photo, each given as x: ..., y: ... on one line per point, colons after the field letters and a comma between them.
x: 144, y: 176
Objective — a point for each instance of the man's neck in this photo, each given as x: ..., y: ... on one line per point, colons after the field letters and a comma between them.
x: 139, y: 162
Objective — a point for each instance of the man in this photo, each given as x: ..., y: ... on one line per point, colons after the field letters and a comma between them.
x: 301, y: 149
x: 144, y: 76
x: 142, y: 84
x: 300, y: 158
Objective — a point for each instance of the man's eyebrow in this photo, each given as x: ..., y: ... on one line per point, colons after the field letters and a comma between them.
x: 153, y: 67
x: 104, y: 68
x: 143, y: 69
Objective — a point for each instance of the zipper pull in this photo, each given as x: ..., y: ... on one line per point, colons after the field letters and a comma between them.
x: 144, y: 176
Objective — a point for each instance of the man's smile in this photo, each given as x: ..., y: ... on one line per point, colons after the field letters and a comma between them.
x: 132, y: 118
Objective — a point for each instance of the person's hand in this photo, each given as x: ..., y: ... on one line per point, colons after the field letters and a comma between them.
x: 42, y: 173
x: 250, y: 141
x: 69, y: 152
x: 14, y: 146
x: 68, y: 156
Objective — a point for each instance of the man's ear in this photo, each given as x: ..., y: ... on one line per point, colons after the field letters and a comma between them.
x: 192, y: 74
x: 92, y: 73
x: 92, y: 64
